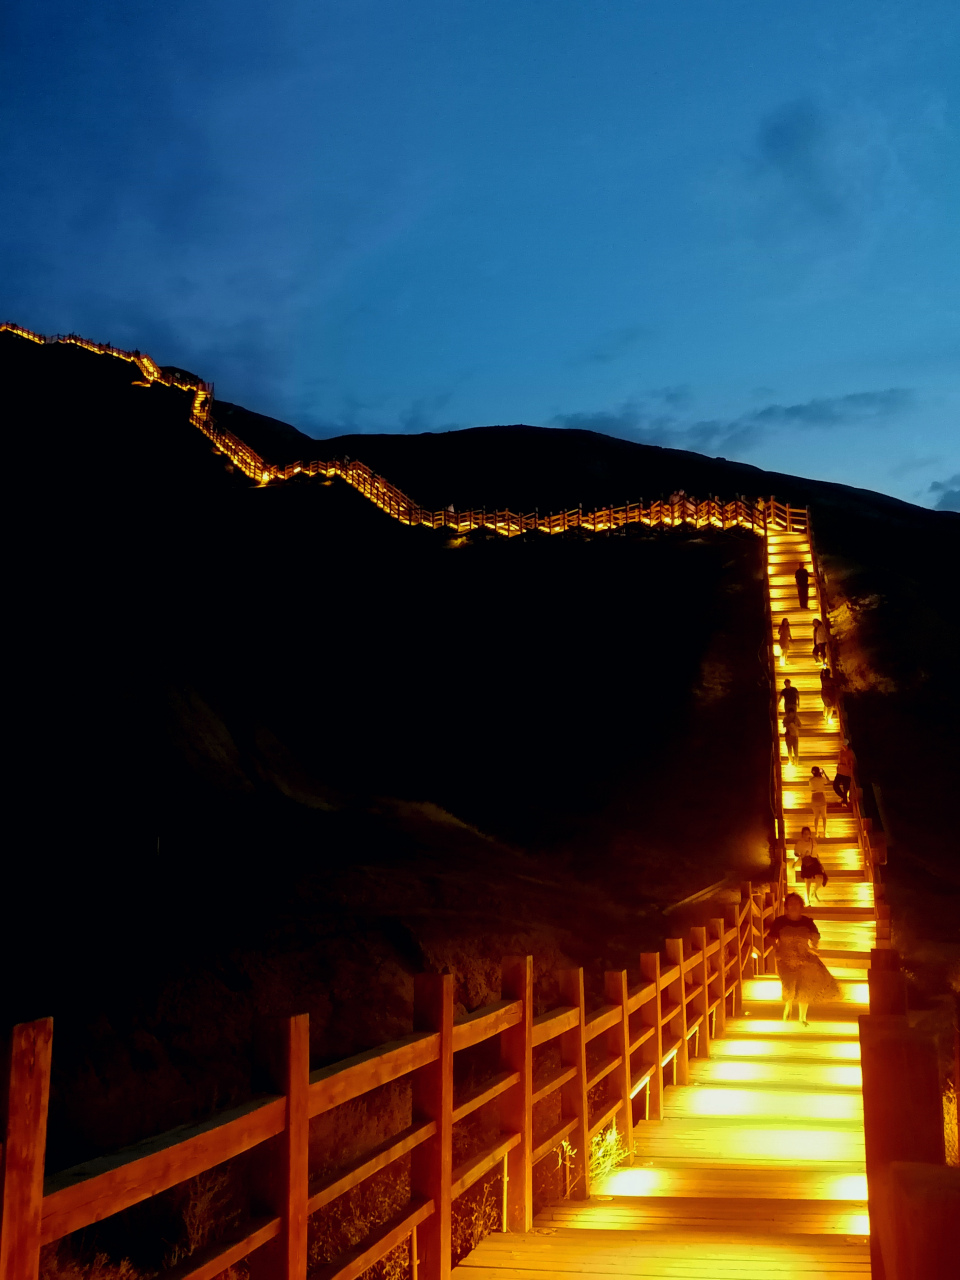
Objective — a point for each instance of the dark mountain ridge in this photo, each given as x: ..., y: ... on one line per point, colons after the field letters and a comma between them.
x: 277, y: 751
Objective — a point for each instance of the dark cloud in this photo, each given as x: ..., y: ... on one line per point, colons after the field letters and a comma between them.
x: 914, y: 463
x: 615, y: 344
x: 829, y: 411
x: 633, y: 421
x: 949, y: 493
x: 793, y: 147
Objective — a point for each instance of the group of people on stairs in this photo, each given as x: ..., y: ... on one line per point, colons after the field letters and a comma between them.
x: 804, y: 978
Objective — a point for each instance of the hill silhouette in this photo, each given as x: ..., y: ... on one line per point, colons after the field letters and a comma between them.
x: 276, y: 751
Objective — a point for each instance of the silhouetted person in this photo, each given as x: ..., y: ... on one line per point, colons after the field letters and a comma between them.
x: 791, y: 736
x: 790, y: 697
x: 828, y: 694
x: 784, y: 635
x: 802, y: 579
x: 804, y: 978
x: 844, y: 776
x: 818, y: 799
x: 819, y: 640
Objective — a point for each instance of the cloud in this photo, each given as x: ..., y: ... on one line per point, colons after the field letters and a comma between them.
x: 828, y: 411
x: 634, y: 421
x: 614, y: 344
x: 949, y: 491
x: 914, y: 463
x: 793, y: 148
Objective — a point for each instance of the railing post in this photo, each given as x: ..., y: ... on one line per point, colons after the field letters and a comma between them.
x: 902, y: 1109
x: 676, y: 992
x: 887, y: 982
x: 719, y: 928
x: 516, y: 1106
x: 282, y: 1181
x: 26, y: 1067
x: 618, y: 1045
x: 652, y: 1049
x: 574, y: 1092
x: 431, y: 1167
x: 733, y: 920
x: 698, y: 936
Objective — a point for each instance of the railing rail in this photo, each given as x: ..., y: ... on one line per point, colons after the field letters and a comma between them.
x: 648, y: 1030
x: 679, y: 509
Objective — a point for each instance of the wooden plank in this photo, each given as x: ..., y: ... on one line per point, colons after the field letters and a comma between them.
x: 678, y: 1020
x: 331, y: 1086
x: 470, y: 1171
x: 27, y: 1072
x: 432, y: 1161
x: 554, y: 1083
x: 605, y: 1119
x: 573, y: 1094
x: 210, y: 1262
x: 603, y: 1069
x: 602, y: 1019
x: 641, y: 994
x: 296, y: 1140
x: 618, y: 1045
x: 550, y: 1025
x: 486, y: 1022
x: 641, y: 1038
x: 350, y: 1265
x: 375, y: 1160
x: 554, y: 1139
x: 516, y: 1109
x: 491, y: 1089
x: 279, y: 1177
x: 640, y: 1078
x: 89, y: 1192
x: 652, y: 1049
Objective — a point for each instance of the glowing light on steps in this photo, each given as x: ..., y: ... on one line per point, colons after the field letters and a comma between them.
x: 779, y: 1104
x: 761, y: 1184
x: 822, y: 1050
x: 754, y: 1072
x: 769, y: 989
x: 777, y: 1028
x: 729, y: 1140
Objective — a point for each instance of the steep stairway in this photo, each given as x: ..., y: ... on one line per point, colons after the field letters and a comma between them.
x: 756, y: 1171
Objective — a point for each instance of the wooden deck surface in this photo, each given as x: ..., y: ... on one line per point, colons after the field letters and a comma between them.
x: 756, y: 1171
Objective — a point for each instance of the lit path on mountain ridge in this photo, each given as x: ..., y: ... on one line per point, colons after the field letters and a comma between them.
x: 756, y: 1171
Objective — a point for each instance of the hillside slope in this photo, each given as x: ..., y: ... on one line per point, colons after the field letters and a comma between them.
x: 277, y: 751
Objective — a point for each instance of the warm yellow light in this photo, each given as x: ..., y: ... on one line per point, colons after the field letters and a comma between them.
x: 635, y: 1182
x: 846, y: 1186
x: 757, y: 1103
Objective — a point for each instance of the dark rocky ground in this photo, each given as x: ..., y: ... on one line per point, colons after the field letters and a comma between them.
x: 274, y: 752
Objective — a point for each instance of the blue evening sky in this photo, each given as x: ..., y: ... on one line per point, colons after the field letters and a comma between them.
x: 728, y: 226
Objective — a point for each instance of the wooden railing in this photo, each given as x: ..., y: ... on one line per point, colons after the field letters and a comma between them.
x: 638, y: 1041
x: 679, y: 509
x: 873, y: 842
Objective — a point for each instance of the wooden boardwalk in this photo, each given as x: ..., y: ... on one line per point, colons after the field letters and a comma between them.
x: 757, y: 1169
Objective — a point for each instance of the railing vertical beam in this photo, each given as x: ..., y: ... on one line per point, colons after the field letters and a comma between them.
x: 432, y: 1161
x: 26, y: 1067
x: 676, y: 990
x: 719, y: 929
x: 516, y: 1107
x: 281, y: 1179
x: 698, y: 937
x: 573, y: 1053
x: 618, y: 1045
x: 652, y: 1049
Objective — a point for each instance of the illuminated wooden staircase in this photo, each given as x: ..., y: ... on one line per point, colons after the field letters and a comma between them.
x: 757, y: 1167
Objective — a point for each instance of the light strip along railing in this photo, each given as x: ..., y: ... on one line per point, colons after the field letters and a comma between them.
x: 680, y: 509
x: 612, y: 1067
x: 873, y: 843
